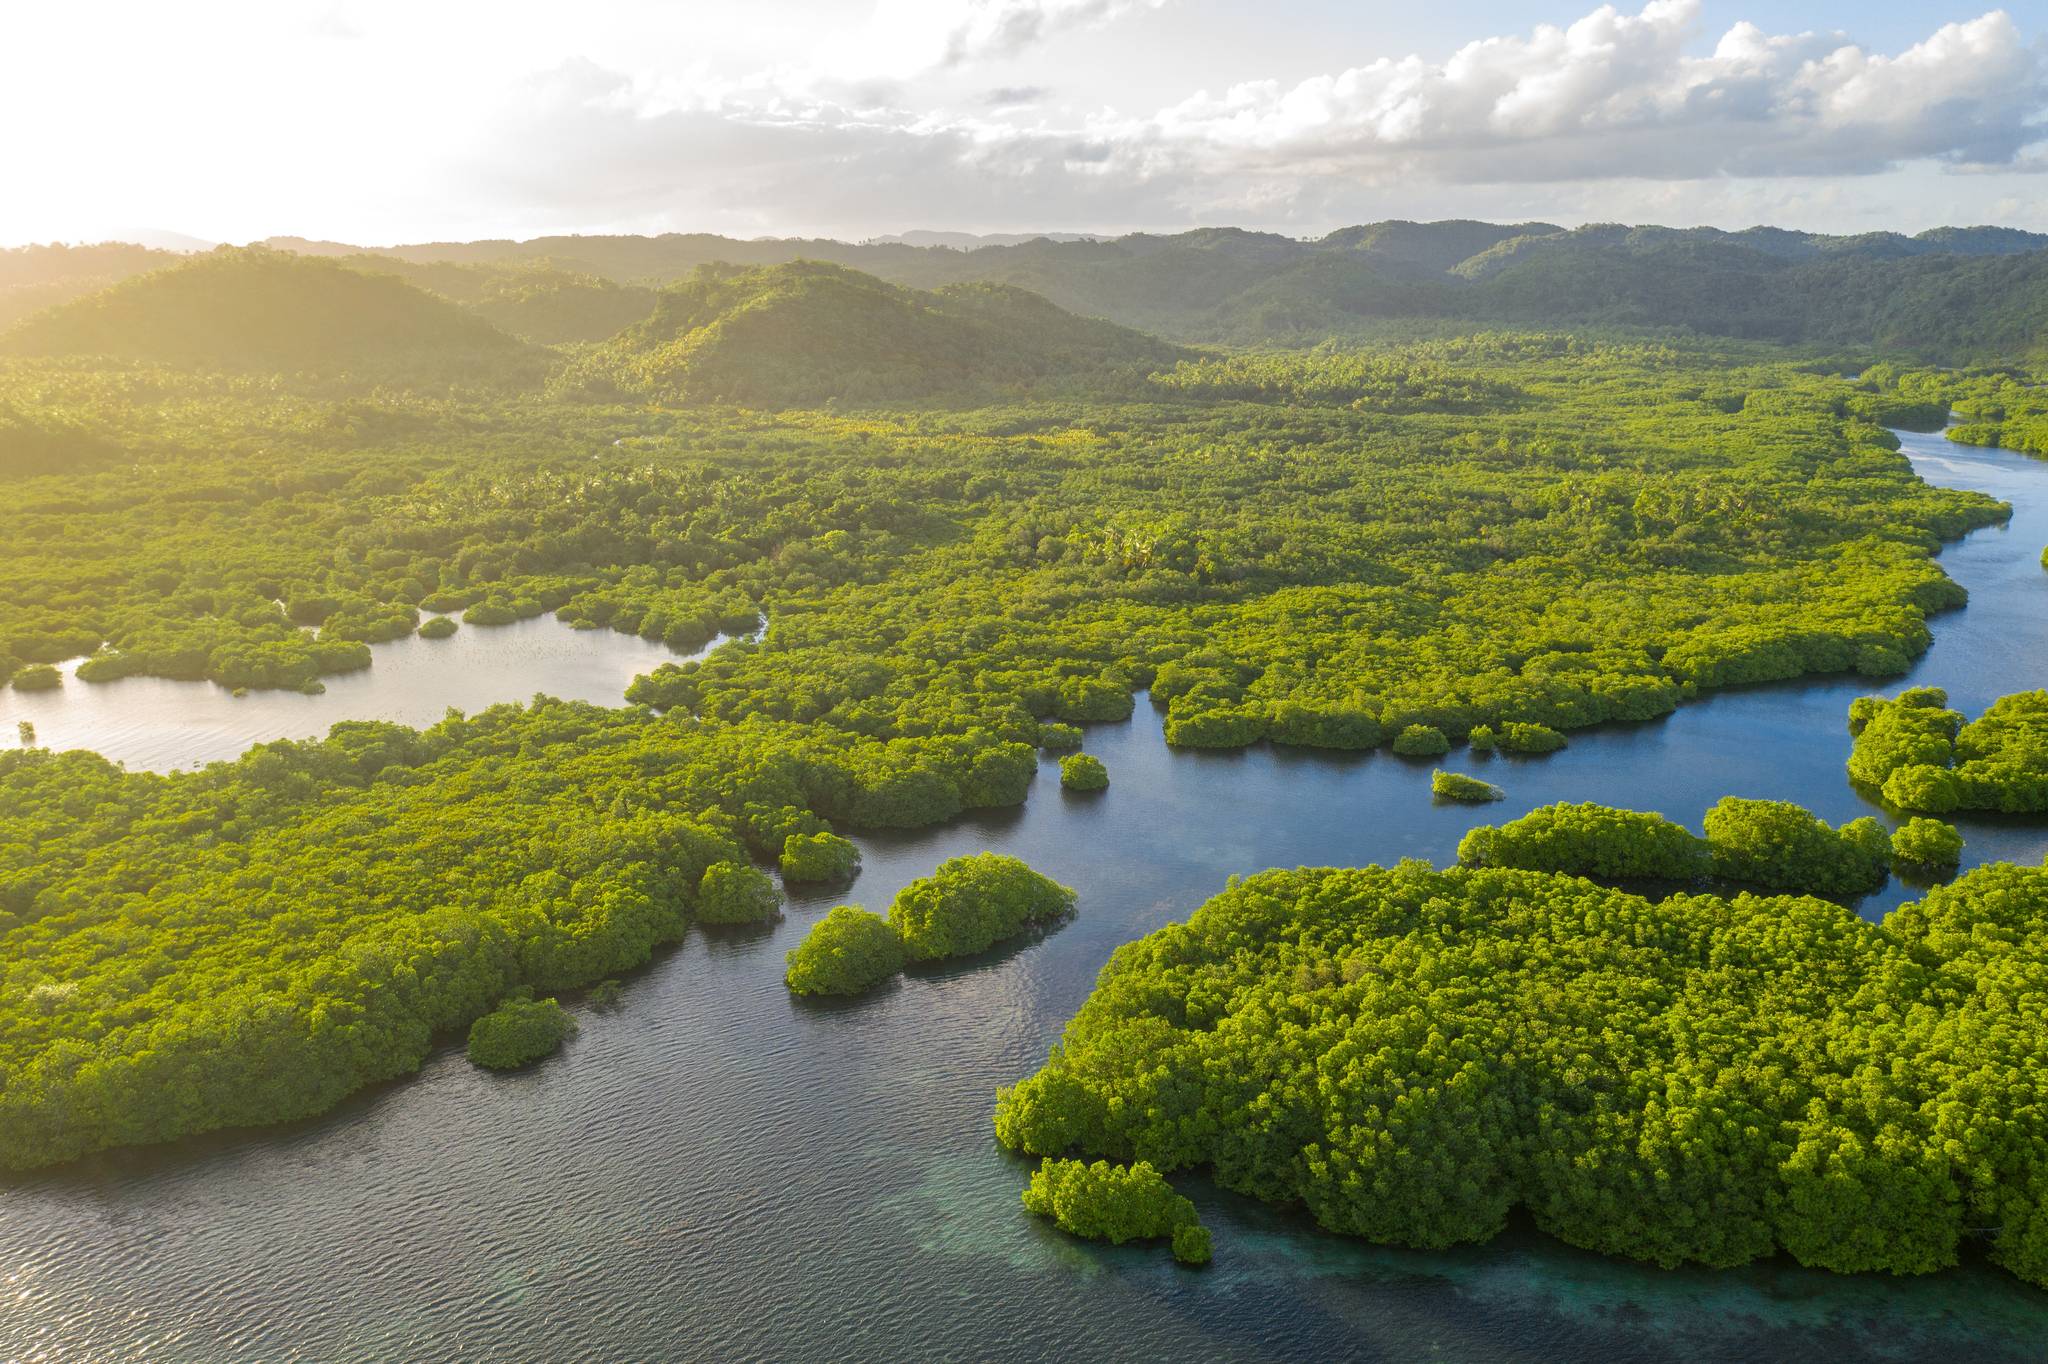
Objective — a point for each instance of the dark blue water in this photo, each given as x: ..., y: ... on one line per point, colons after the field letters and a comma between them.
x: 715, y: 1171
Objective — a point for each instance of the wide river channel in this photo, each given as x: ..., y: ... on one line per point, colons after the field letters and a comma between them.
x: 714, y: 1171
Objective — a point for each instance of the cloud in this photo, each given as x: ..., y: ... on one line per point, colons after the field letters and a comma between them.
x: 1614, y: 96
x: 1617, y: 95
x: 573, y: 146
x: 906, y: 37
x: 1012, y: 96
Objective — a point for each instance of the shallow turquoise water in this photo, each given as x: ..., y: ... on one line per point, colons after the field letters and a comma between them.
x: 716, y: 1171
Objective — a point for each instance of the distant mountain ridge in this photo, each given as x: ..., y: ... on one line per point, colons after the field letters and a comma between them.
x: 1949, y: 293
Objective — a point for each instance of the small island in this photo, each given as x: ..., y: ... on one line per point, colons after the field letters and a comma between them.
x: 965, y: 906
x: 1117, y: 1203
x: 1927, y: 846
x: 1466, y: 790
x: 518, y: 1032
x: 1083, y: 772
x: 848, y: 952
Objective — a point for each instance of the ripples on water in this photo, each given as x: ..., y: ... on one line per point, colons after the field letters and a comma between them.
x: 716, y: 1171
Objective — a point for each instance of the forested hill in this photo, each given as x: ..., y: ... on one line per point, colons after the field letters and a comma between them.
x: 1948, y: 294
x: 33, y: 278
x: 809, y: 332
x: 266, y: 311
x: 1954, y: 293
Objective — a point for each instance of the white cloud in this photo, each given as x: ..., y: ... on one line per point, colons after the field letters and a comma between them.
x: 1612, y: 96
x: 907, y: 37
x: 851, y: 117
x: 1617, y: 95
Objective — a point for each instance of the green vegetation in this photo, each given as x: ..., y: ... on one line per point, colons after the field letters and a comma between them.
x: 249, y: 467
x: 38, y: 677
x: 1414, y: 1054
x: 1927, y: 845
x: 734, y: 893
x: 1055, y: 737
x: 1920, y: 755
x: 1779, y: 846
x: 440, y: 627
x: 1515, y: 737
x: 969, y: 904
x: 1459, y: 787
x: 1591, y: 840
x: 1421, y: 741
x: 806, y: 333
x: 1949, y: 292
x: 33, y: 278
x: 258, y: 310
x: 1329, y: 375
x: 1117, y: 1203
x: 1765, y: 843
x: 48, y: 445
x: 848, y: 952
x: 254, y: 941
x: 994, y: 570
x: 518, y: 1033
x: 539, y: 301
x: 1083, y: 772
x: 819, y: 857
x: 965, y: 906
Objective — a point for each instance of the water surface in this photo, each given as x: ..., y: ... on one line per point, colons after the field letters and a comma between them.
x: 159, y: 724
x: 716, y: 1171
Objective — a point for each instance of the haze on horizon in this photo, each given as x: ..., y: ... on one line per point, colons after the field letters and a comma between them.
x: 377, y: 122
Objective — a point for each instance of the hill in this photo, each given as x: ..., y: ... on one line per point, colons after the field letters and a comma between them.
x: 1952, y: 293
x: 33, y: 278
x: 539, y: 301
x: 252, y: 309
x: 809, y: 332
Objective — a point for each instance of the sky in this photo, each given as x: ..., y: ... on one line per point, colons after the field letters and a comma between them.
x: 386, y: 121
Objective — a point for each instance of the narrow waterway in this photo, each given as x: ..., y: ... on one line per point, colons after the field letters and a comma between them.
x: 715, y: 1171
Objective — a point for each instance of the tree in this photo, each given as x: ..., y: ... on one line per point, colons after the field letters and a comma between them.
x: 1927, y: 843
x: 1083, y: 772
x: 848, y: 952
x: 819, y: 857
x: 518, y: 1032
x: 1117, y: 1203
x: 1410, y: 1054
x: 1780, y: 846
x: 1421, y: 741
x: 734, y: 893
x: 971, y: 903
x: 1590, y: 840
x: 1459, y: 787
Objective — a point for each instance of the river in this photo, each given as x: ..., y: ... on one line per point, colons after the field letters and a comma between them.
x: 713, y: 1170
